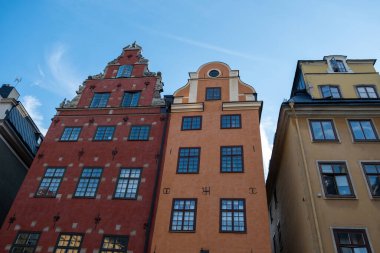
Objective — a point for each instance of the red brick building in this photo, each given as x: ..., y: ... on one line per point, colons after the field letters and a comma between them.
x: 91, y: 187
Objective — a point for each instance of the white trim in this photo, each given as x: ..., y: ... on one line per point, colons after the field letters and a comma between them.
x: 193, y: 91
x: 352, y: 134
x: 195, y: 107
x: 208, y: 73
x: 360, y: 162
x: 234, y: 89
x: 342, y: 58
x: 349, y: 175
x: 349, y: 227
x: 324, y: 141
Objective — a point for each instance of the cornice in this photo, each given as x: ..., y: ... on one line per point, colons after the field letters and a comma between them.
x: 242, y: 105
x: 190, y: 107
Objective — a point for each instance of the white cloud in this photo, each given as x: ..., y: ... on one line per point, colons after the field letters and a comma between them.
x: 32, y: 106
x: 64, y: 79
x: 267, y: 128
x: 57, y: 74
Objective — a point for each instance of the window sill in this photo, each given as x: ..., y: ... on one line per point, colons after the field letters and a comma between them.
x: 182, y: 231
x: 232, y: 232
x: 326, y: 141
x: 340, y: 198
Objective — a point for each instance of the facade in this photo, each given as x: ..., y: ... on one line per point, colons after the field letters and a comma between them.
x: 19, y: 142
x: 212, y: 196
x: 92, y: 185
x: 324, y: 176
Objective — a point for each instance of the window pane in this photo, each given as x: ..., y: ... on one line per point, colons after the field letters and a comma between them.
x: 343, y: 186
x: 317, y: 130
x: 357, y: 130
x: 368, y: 131
x: 329, y: 183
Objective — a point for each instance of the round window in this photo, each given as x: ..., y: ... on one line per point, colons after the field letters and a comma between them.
x: 214, y: 73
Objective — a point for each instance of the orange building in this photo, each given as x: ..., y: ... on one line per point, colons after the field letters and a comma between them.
x: 212, y: 195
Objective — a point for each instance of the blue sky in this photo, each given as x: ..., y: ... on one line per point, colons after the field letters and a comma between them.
x: 53, y: 45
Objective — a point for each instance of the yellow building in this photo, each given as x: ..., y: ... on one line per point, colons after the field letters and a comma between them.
x: 212, y: 196
x: 324, y: 178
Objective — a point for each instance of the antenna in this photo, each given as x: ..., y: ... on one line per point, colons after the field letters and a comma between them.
x: 17, y: 80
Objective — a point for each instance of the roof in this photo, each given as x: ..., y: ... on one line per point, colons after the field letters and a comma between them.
x: 5, y: 90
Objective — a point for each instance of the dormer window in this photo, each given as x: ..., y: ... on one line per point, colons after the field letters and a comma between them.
x: 338, y: 65
x: 124, y: 71
x: 330, y: 91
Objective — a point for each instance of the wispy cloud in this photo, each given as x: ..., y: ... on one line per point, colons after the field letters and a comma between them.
x: 65, y: 79
x: 56, y: 74
x: 32, y: 105
x: 267, y: 128
x: 204, y: 45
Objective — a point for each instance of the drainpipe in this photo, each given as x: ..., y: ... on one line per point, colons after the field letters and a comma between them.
x: 306, y: 169
x: 168, y: 102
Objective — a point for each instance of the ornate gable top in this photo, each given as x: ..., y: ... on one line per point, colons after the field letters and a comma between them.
x: 132, y: 46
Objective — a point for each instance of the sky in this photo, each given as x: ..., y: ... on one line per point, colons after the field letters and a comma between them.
x: 54, y: 45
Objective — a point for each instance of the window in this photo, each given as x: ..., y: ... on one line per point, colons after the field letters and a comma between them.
x: 104, y: 133
x: 50, y: 182
x: 128, y: 183
x: 231, y: 159
x: 366, y: 92
x: 68, y: 243
x: 214, y: 73
x: 330, y: 91
x: 70, y: 134
x: 351, y: 241
x: 183, y: 218
x: 114, y: 243
x: 338, y: 65
x: 362, y: 130
x: 88, y: 182
x: 213, y: 93
x: 191, y: 123
x: 335, y: 179
x: 100, y: 100
x: 230, y: 121
x: 232, y: 215
x: 25, y: 242
x: 131, y: 99
x: 372, y: 173
x: 139, y: 133
x: 323, y: 130
x: 124, y: 71
x: 188, y: 160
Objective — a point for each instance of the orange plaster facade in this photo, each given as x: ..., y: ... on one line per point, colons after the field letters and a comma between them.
x: 209, y: 185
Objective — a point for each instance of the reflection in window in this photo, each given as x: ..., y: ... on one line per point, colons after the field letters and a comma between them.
x: 335, y: 179
x: 362, y: 130
x: 372, y: 172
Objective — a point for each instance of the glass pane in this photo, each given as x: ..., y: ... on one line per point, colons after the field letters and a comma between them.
x: 357, y: 130
x: 329, y: 183
x: 357, y: 239
x: 360, y: 250
x: 343, y: 186
x: 370, y: 168
x: 343, y: 238
x: 346, y: 250
x: 326, y: 168
x: 368, y: 130
x: 328, y: 130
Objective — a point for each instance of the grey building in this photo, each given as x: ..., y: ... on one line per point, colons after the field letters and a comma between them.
x: 19, y: 142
